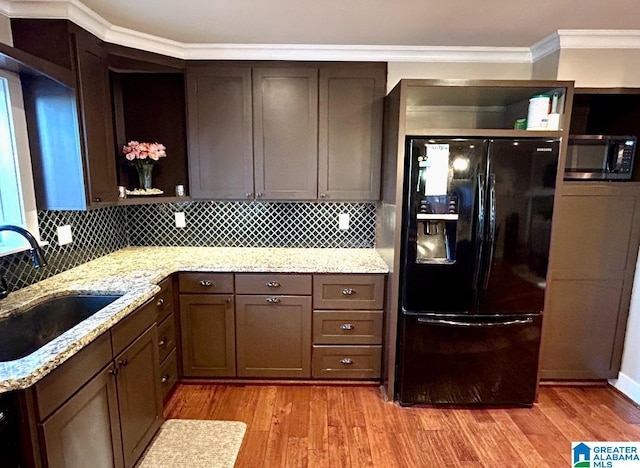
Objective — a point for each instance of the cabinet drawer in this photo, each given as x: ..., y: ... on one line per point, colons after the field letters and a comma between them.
x: 63, y: 382
x: 203, y: 283
x: 127, y: 330
x: 347, y: 327
x: 273, y: 284
x: 346, y: 362
x: 166, y: 337
x: 164, y: 300
x: 348, y: 291
x: 168, y: 374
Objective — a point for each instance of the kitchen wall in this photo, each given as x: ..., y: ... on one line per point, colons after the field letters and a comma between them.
x: 452, y: 70
x: 5, y: 30
x: 219, y: 224
x: 600, y: 68
x: 628, y: 381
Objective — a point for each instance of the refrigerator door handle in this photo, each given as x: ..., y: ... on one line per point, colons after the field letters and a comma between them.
x: 492, y: 228
x: 453, y: 323
x: 479, y: 232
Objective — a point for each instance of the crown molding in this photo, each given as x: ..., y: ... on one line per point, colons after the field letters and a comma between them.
x: 77, y: 12
x: 86, y: 18
x: 586, y: 39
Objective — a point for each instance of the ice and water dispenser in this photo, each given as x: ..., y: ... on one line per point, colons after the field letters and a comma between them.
x: 435, y: 206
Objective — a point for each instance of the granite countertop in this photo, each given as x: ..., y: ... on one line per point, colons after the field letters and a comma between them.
x: 134, y: 272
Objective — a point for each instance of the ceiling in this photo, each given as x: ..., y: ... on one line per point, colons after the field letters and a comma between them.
x: 494, y: 23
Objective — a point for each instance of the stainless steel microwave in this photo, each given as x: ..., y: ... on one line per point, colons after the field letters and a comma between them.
x: 600, y: 157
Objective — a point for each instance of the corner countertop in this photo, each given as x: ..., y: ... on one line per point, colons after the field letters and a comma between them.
x: 135, y: 272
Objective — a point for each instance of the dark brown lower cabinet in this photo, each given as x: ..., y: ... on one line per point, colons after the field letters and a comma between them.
x: 140, y: 401
x: 102, y: 407
x: 85, y: 431
x: 273, y: 336
x: 208, y: 335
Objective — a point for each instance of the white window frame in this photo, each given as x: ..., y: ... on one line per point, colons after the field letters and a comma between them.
x: 20, y: 171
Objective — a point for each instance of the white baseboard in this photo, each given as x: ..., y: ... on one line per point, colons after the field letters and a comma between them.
x: 628, y: 386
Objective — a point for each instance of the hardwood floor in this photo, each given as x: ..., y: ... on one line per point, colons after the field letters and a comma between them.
x: 351, y: 426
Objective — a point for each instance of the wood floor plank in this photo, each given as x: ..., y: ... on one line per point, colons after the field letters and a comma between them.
x: 352, y: 426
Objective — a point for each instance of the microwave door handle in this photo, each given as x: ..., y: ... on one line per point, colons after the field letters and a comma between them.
x: 614, y: 157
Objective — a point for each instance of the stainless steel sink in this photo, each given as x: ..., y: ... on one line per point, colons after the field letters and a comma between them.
x: 22, y: 334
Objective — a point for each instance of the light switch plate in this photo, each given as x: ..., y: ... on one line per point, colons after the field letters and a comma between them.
x: 64, y: 235
x: 343, y: 221
x: 180, y: 220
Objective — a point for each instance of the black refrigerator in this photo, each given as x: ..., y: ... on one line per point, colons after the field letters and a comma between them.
x: 475, y: 245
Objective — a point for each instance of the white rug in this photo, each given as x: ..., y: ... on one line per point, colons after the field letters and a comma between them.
x: 189, y: 443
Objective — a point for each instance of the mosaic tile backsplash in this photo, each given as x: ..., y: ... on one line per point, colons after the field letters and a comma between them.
x: 212, y: 224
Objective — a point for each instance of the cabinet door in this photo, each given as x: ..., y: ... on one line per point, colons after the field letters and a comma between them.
x: 96, y: 120
x: 350, y: 133
x: 273, y: 336
x: 85, y: 431
x: 285, y: 130
x: 220, y: 132
x: 139, y: 394
x: 208, y: 335
x: 582, y: 329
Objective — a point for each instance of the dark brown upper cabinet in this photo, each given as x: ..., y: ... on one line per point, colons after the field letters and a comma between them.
x: 80, y: 117
x: 295, y: 131
x: 220, y: 132
x: 285, y: 132
x: 350, y: 133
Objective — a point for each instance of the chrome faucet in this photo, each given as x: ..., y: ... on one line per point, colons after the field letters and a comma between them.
x: 37, y: 255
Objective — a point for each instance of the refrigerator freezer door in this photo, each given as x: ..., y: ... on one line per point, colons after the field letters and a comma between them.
x: 468, y: 360
x: 441, y: 248
x: 521, y: 187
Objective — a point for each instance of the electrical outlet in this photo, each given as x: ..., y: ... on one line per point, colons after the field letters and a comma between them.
x: 180, y: 220
x: 64, y: 235
x: 343, y: 221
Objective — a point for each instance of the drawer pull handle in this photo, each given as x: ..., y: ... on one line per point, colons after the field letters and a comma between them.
x: 165, y: 378
x: 206, y: 283
x: 273, y: 300
x: 273, y: 284
x: 347, y: 326
x: 346, y: 361
x: 348, y: 291
x: 162, y: 342
x: 160, y: 302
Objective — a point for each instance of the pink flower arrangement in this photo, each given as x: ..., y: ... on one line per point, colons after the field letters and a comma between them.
x: 147, y: 153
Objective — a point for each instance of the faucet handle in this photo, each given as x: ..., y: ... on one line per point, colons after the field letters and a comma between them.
x: 4, y: 291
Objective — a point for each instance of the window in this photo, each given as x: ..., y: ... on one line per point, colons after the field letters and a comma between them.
x: 17, y: 199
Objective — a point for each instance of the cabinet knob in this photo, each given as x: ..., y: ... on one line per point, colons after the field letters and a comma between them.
x: 228, y: 300
x: 273, y: 284
x: 123, y: 362
x: 348, y: 291
x: 206, y: 283
x: 165, y: 378
x: 160, y: 302
x: 347, y: 326
x: 248, y: 194
x: 346, y: 361
x: 323, y: 195
x: 113, y: 371
x: 259, y: 194
x: 273, y: 300
x: 162, y: 342
x: 97, y: 199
